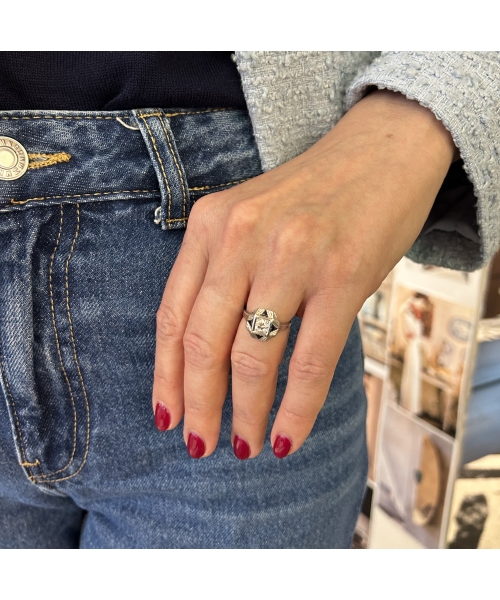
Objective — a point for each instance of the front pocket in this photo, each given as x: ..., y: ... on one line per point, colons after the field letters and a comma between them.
x: 42, y: 381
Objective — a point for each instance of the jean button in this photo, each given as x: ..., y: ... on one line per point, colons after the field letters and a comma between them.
x: 13, y: 159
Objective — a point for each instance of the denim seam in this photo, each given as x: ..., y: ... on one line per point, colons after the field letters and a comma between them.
x: 26, y: 463
x: 14, y: 201
x: 179, y: 114
x: 75, y: 356
x: 156, y: 114
x: 64, y: 117
x: 197, y: 112
x: 98, y: 117
x: 209, y: 187
x: 143, y: 117
x: 58, y: 346
x: 73, y: 343
x: 95, y: 194
x: 184, y: 198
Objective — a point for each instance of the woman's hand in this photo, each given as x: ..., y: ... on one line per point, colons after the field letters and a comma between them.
x: 314, y: 238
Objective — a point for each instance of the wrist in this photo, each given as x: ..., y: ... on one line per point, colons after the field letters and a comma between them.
x: 421, y: 116
x: 393, y: 119
x: 391, y: 155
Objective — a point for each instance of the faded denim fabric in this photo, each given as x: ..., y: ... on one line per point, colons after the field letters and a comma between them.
x: 86, y: 247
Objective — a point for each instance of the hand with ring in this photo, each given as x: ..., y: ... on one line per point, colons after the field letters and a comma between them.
x: 313, y: 237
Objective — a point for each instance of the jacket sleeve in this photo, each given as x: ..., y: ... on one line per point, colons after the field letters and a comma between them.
x: 463, y: 90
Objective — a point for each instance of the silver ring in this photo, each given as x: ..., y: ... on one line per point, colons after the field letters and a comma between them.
x: 262, y: 323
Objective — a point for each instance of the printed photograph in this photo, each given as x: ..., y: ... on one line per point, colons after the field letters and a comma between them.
x: 475, y: 509
x: 426, y: 354
x: 373, y: 388
x: 374, y: 321
x: 412, y: 472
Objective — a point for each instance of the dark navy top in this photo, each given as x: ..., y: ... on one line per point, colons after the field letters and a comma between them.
x: 126, y: 80
x: 118, y: 80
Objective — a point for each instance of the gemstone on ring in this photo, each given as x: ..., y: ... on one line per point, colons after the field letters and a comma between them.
x: 262, y: 324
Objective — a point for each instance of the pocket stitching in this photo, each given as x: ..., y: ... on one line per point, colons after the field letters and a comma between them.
x: 58, y: 346
x: 75, y: 357
x: 14, y: 201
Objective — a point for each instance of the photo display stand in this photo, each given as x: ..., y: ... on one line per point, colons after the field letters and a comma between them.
x: 431, y: 338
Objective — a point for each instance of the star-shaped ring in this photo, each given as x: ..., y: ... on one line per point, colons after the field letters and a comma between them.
x: 262, y: 323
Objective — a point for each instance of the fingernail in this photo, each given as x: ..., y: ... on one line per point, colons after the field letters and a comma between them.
x: 195, y: 445
x: 241, y: 448
x: 282, y: 445
x: 162, y: 417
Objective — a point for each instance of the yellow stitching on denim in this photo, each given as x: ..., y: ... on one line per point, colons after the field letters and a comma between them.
x: 28, y: 464
x: 177, y: 114
x: 184, y: 197
x: 12, y: 403
x: 73, y: 344
x: 79, y: 118
x: 47, y: 160
x: 197, y: 112
x: 13, y: 201
x: 173, y: 220
x: 210, y: 187
x: 87, y: 443
x: 156, y: 114
x: 65, y: 117
x: 160, y: 160
x: 59, y: 354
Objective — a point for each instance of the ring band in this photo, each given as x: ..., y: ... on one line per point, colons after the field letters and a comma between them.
x: 262, y: 323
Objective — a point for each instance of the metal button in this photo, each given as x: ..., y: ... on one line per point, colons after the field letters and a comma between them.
x: 13, y: 159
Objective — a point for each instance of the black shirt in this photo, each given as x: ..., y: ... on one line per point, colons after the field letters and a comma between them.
x: 118, y: 80
x: 126, y: 80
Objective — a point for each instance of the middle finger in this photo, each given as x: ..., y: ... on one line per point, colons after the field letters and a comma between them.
x: 207, y: 344
x: 254, y: 367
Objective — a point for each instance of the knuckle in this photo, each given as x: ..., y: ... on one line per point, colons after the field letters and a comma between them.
x: 309, y: 368
x: 240, y: 221
x: 248, y: 367
x: 164, y: 381
x: 213, y: 290
x: 298, y: 414
x: 199, y: 208
x: 349, y: 266
x: 248, y: 417
x: 202, y: 215
x: 294, y: 236
x: 198, y: 410
x: 198, y: 352
x: 196, y: 217
x: 168, y: 324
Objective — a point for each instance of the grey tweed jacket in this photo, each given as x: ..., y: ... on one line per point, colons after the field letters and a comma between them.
x: 294, y: 98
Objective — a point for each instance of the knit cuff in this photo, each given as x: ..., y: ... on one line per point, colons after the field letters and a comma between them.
x: 462, y: 89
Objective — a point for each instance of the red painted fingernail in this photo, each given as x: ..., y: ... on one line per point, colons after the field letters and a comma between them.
x: 241, y: 448
x: 282, y: 445
x: 195, y: 446
x: 162, y: 417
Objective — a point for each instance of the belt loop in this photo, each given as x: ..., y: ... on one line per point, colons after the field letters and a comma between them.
x: 157, y: 134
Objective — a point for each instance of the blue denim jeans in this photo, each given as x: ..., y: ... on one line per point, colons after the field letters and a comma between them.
x: 88, y: 236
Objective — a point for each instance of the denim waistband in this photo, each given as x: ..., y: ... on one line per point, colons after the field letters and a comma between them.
x: 175, y: 155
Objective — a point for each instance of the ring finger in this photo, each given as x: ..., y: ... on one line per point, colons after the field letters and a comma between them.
x: 254, y: 367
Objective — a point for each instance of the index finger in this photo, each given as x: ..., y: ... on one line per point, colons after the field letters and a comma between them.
x: 182, y: 287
